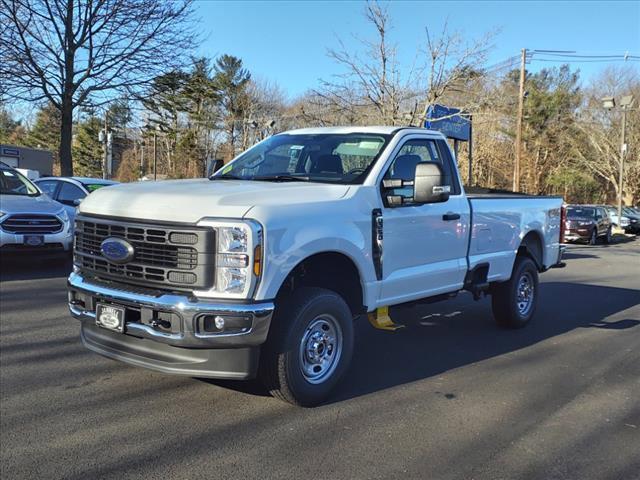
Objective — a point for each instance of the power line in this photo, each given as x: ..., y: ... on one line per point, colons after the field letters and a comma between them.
x: 566, y: 60
x: 577, y: 55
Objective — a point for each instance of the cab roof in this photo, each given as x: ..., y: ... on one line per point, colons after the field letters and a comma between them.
x: 380, y: 130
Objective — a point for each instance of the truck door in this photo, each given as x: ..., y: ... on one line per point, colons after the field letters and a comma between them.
x: 424, y: 246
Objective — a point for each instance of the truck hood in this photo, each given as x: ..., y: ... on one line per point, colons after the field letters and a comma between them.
x: 12, y: 204
x: 191, y: 200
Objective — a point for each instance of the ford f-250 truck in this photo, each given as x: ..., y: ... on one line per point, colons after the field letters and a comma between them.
x: 261, y: 269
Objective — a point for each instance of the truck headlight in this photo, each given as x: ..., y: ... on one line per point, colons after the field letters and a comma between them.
x: 232, y: 259
x: 238, y: 258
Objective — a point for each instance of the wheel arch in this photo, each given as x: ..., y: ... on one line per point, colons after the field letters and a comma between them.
x: 333, y: 270
x: 532, y: 246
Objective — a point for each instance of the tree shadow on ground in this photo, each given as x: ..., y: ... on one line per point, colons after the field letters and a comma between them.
x: 34, y: 267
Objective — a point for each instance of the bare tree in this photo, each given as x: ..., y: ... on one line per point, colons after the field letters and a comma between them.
x: 596, y: 141
x: 371, y: 88
x: 453, y: 65
x: 76, y: 53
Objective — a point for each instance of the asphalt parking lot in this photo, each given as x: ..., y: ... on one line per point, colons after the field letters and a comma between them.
x: 450, y: 396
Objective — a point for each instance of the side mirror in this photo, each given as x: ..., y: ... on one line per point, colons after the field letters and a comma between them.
x: 77, y: 202
x: 214, y: 166
x: 428, y: 185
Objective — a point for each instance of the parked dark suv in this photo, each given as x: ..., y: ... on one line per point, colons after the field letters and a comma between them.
x: 587, y: 223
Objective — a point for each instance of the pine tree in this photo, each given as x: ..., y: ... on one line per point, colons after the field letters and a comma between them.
x: 87, y: 149
x: 231, y: 81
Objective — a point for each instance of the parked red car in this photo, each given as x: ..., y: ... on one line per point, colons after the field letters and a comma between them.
x: 587, y: 223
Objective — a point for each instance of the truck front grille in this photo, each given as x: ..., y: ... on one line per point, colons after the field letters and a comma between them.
x: 170, y: 256
x: 32, y: 224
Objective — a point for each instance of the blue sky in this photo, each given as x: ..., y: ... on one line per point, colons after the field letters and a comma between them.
x: 287, y: 41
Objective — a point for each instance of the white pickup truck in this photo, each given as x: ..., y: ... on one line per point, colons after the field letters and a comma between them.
x: 262, y: 269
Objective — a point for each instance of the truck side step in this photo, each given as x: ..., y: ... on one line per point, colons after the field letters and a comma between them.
x: 380, y: 319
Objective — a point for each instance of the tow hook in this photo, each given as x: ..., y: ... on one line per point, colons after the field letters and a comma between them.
x: 156, y: 322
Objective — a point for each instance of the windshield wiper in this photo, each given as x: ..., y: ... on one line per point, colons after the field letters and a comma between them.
x: 226, y: 177
x: 282, y: 178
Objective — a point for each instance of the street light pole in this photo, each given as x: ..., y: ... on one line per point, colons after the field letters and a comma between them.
x: 105, y: 146
x: 623, y: 148
x: 626, y: 103
x: 155, y: 156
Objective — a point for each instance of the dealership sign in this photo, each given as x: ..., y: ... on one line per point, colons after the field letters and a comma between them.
x: 448, y: 121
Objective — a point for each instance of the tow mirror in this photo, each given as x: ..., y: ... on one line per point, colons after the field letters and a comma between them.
x: 429, y: 185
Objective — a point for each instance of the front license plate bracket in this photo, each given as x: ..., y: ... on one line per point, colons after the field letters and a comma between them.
x: 110, y: 317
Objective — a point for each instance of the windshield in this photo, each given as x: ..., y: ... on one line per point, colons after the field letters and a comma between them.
x: 13, y: 183
x: 330, y: 158
x: 575, y: 212
x: 92, y: 187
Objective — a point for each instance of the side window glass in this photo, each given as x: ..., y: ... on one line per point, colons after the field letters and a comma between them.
x: 403, y: 167
x: 48, y: 187
x: 69, y: 193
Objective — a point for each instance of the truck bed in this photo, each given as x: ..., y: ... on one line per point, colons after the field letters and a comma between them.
x: 499, y: 221
x: 483, y: 192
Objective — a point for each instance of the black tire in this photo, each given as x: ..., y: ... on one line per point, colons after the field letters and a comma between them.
x: 593, y: 238
x: 297, y: 322
x: 507, y: 309
x: 607, y: 237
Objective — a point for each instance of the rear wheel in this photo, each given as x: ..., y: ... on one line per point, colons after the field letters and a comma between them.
x: 309, y: 347
x: 514, y: 301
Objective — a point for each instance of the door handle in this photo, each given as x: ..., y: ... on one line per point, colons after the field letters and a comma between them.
x: 450, y: 216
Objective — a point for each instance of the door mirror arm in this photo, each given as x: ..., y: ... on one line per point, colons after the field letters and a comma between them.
x: 392, y: 184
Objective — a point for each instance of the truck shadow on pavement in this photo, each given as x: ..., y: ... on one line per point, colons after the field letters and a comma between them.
x: 442, y: 337
x: 448, y: 335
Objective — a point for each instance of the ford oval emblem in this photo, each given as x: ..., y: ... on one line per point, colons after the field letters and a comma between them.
x: 117, y: 250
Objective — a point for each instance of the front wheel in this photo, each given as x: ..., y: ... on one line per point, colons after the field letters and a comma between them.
x: 309, y: 347
x: 514, y: 301
x: 607, y: 237
x: 593, y: 239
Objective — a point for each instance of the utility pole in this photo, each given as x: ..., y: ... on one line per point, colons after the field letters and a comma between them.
x: 516, y: 166
x: 105, y: 146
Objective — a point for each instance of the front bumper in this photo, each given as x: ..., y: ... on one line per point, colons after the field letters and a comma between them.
x: 184, y: 349
x: 633, y: 228
x: 14, y: 242
x: 577, y: 234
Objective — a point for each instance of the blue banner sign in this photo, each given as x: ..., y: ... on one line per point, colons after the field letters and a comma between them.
x: 14, y: 152
x: 448, y: 121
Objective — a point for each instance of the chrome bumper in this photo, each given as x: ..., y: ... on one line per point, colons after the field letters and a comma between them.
x: 187, y: 308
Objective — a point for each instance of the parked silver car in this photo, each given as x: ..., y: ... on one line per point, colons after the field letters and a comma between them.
x: 29, y: 220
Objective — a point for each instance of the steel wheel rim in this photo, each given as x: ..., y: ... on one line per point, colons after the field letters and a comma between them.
x: 525, y: 294
x: 320, y: 349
